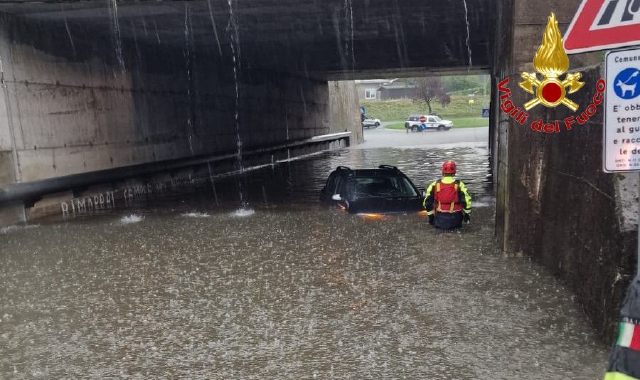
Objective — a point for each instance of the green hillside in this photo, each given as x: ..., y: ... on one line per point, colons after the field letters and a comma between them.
x: 400, y: 109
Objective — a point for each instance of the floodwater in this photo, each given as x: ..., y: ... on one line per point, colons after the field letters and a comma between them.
x: 192, y: 286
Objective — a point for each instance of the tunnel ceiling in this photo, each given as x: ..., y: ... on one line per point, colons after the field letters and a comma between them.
x: 324, y: 39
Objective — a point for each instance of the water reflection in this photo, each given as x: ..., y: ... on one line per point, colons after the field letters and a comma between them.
x: 287, y: 290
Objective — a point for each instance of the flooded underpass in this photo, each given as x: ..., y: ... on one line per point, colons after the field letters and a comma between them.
x: 194, y: 286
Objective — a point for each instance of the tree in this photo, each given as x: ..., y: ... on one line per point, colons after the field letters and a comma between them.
x: 462, y: 82
x: 445, y: 100
x: 430, y: 89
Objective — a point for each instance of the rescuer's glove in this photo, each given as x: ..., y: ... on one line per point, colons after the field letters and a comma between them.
x: 466, y: 218
x: 431, y: 219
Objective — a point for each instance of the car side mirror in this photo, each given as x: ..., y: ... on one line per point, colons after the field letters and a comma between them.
x: 336, y: 197
x: 423, y: 193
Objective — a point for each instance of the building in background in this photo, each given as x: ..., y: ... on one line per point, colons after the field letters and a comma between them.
x: 385, y: 89
x: 368, y: 88
x: 397, y: 90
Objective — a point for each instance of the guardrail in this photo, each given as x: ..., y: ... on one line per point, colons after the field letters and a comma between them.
x: 30, y: 192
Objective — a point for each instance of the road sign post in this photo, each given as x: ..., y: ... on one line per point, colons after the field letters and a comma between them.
x: 622, y: 111
x: 622, y: 115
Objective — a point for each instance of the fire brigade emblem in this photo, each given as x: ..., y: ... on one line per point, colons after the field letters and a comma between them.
x: 551, y: 61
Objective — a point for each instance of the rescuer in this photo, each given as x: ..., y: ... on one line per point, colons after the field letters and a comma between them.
x: 447, y: 200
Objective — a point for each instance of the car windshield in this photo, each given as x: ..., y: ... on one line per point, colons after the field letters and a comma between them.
x: 374, y: 186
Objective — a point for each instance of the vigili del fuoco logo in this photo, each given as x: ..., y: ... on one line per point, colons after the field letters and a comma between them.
x: 551, y: 61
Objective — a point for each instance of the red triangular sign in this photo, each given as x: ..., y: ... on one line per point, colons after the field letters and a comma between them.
x: 603, y: 24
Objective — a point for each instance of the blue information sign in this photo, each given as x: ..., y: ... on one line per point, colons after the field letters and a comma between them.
x: 485, y: 112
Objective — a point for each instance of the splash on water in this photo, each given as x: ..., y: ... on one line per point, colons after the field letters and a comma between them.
x: 481, y: 204
x: 133, y: 218
x: 196, y: 215
x: 6, y: 230
x: 243, y: 212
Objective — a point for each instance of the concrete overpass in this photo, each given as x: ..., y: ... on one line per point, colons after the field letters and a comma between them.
x: 323, y: 40
x: 98, y: 91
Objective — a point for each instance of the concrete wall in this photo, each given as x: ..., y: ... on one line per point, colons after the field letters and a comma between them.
x: 76, y: 110
x: 554, y: 202
x: 78, y: 103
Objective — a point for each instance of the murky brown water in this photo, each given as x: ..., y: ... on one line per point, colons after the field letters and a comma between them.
x: 285, y: 289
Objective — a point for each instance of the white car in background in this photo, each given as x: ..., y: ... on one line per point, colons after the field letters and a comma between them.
x: 431, y: 122
x: 370, y: 122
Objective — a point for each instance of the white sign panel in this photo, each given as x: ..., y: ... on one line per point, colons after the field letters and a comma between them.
x: 622, y: 111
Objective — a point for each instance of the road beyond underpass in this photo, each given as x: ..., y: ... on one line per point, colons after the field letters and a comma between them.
x: 381, y: 137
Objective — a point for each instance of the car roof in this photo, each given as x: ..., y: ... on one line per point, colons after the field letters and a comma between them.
x: 375, y: 173
x: 381, y: 171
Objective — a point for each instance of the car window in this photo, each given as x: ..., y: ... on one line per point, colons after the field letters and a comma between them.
x: 336, y: 188
x: 437, y: 118
x: 432, y: 119
x: 331, y: 184
x: 358, y: 187
x: 348, y: 189
x: 404, y: 187
x: 375, y: 186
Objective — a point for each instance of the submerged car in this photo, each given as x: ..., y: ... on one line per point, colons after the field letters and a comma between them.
x: 372, y: 191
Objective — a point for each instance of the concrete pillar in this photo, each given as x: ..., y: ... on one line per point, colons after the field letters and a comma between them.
x: 345, y: 110
x: 554, y: 202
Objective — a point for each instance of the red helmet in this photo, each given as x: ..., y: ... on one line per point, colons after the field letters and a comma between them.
x: 449, y: 167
